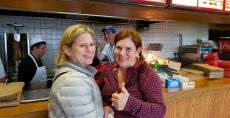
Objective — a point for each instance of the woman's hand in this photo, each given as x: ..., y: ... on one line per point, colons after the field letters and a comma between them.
x: 119, y: 100
x: 108, y: 110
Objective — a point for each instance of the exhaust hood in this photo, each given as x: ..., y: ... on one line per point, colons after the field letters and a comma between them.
x: 81, y: 17
x: 86, y: 9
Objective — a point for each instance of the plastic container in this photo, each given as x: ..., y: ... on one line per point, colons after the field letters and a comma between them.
x: 224, y: 63
x: 212, y: 62
x: 212, y: 56
x: 226, y: 66
x: 227, y: 72
x: 155, y: 65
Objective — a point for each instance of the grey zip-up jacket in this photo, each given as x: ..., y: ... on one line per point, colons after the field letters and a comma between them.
x: 75, y: 94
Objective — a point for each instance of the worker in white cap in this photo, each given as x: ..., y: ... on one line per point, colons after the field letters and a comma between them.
x: 32, y: 69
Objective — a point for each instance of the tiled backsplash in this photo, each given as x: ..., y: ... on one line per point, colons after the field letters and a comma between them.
x: 52, y: 29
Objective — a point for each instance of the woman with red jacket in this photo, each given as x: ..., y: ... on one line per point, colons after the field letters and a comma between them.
x: 130, y: 88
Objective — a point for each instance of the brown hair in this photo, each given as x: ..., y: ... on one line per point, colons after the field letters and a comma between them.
x: 135, y: 37
x: 68, y: 38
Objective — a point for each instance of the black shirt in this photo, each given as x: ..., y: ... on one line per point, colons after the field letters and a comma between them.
x: 96, y: 62
x: 27, y: 69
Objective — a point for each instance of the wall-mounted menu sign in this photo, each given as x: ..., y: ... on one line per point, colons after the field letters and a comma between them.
x: 211, y: 4
x: 200, y: 4
x: 148, y: 1
x: 227, y: 5
x: 192, y: 3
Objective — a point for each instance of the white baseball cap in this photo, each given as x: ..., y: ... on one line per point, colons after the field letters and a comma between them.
x: 36, y: 39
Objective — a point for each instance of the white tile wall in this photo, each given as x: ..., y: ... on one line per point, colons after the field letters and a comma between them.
x: 165, y: 32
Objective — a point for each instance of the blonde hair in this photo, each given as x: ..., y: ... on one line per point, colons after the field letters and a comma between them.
x: 68, y: 38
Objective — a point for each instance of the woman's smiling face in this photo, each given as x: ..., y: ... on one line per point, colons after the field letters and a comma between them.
x: 126, y: 53
x: 82, y: 50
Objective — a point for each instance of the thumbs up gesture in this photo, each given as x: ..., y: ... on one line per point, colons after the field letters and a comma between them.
x: 119, y: 100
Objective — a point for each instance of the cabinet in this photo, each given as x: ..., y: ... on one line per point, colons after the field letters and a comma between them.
x: 112, y: 9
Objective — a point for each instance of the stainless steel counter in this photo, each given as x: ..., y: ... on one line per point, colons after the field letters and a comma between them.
x: 34, y: 95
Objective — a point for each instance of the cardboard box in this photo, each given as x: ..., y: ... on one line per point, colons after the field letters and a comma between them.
x: 185, y: 85
x: 169, y: 83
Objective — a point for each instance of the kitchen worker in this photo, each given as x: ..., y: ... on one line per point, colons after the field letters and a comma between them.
x: 109, y: 34
x: 32, y: 69
x: 2, y: 72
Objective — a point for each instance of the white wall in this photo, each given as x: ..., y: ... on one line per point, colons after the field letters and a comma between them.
x: 191, y: 31
x: 167, y: 33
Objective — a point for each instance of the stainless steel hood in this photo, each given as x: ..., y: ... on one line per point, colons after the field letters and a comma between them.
x: 82, y: 10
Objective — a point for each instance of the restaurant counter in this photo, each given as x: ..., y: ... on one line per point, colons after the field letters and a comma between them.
x: 26, y: 110
x: 209, y: 99
x: 33, y: 104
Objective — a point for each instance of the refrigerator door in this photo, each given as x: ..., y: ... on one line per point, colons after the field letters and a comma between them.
x: 224, y: 45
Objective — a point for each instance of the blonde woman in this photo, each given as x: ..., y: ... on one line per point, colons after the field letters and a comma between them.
x: 74, y: 93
